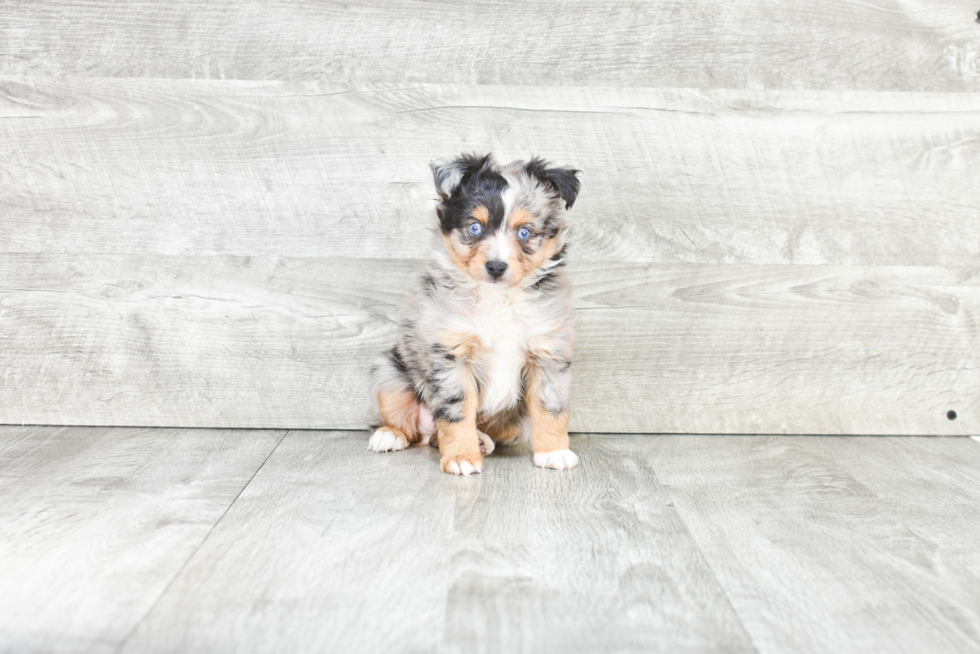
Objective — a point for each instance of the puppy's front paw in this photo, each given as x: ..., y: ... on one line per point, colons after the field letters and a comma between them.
x: 387, y: 440
x: 559, y: 459
x: 462, y: 465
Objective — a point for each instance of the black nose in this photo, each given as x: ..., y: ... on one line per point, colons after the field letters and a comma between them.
x: 496, y: 268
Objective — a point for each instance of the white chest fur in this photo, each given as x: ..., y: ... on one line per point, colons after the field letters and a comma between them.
x: 500, y: 320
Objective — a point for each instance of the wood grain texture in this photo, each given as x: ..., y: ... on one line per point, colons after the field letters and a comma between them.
x: 683, y: 348
x: 844, y: 44
x: 95, y: 523
x: 410, y: 559
x: 782, y: 349
x: 122, y: 539
x: 330, y: 549
x: 799, y: 543
x: 937, y: 486
x: 318, y: 169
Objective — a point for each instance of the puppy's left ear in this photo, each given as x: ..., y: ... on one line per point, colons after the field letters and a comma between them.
x: 563, y: 179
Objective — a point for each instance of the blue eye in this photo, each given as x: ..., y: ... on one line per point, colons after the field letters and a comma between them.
x: 524, y: 233
x: 476, y: 229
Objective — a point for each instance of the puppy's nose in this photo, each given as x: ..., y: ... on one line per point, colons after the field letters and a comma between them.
x: 496, y: 268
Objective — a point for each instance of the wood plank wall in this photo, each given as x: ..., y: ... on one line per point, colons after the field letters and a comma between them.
x: 210, y: 210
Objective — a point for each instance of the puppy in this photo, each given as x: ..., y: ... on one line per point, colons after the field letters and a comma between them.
x: 485, y: 340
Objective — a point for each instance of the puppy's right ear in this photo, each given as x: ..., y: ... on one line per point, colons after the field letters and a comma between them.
x: 450, y: 175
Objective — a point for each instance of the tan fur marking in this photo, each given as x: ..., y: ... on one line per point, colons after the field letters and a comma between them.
x: 518, y: 217
x: 482, y: 214
x: 400, y: 413
x: 470, y: 260
x: 458, y: 441
x: 460, y: 254
x: 478, y: 260
x: 522, y: 264
x: 519, y: 262
x: 548, y: 249
x: 548, y: 431
x: 460, y: 344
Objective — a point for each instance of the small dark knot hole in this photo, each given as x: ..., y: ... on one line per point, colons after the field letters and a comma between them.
x: 951, y: 415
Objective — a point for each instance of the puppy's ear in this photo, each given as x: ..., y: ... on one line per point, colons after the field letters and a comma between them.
x: 449, y: 175
x: 563, y: 180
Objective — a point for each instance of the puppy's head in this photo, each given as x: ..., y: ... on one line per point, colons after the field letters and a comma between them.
x: 504, y: 224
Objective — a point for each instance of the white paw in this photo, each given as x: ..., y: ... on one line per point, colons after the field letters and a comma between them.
x: 461, y: 467
x: 385, y: 441
x: 486, y: 443
x: 559, y: 459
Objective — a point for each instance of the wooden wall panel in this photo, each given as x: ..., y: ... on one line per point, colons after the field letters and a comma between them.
x: 908, y: 45
x: 309, y: 169
x: 209, y: 210
x: 286, y: 342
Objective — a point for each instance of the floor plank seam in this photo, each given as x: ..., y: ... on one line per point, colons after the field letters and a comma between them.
x: 132, y: 632
x: 721, y: 586
x: 704, y: 559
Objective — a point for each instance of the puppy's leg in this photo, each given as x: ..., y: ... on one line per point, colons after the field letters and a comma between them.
x: 399, y: 412
x: 459, y: 441
x: 487, y: 445
x: 546, y: 396
x: 397, y: 408
x: 507, y: 427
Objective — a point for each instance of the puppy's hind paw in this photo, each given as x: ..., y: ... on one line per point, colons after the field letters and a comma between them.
x: 486, y: 443
x: 557, y: 460
x: 387, y: 440
x: 461, y: 465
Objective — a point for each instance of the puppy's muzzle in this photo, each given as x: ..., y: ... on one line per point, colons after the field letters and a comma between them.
x: 496, y: 268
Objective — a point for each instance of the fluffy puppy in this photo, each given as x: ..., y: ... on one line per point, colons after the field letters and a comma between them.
x: 485, y: 340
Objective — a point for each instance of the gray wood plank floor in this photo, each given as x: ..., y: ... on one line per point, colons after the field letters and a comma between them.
x: 124, y: 539
x: 95, y: 523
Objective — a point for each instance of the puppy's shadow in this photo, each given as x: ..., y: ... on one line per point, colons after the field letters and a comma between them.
x: 511, y: 451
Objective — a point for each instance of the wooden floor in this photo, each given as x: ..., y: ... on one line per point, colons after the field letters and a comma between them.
x: 134, y: 540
